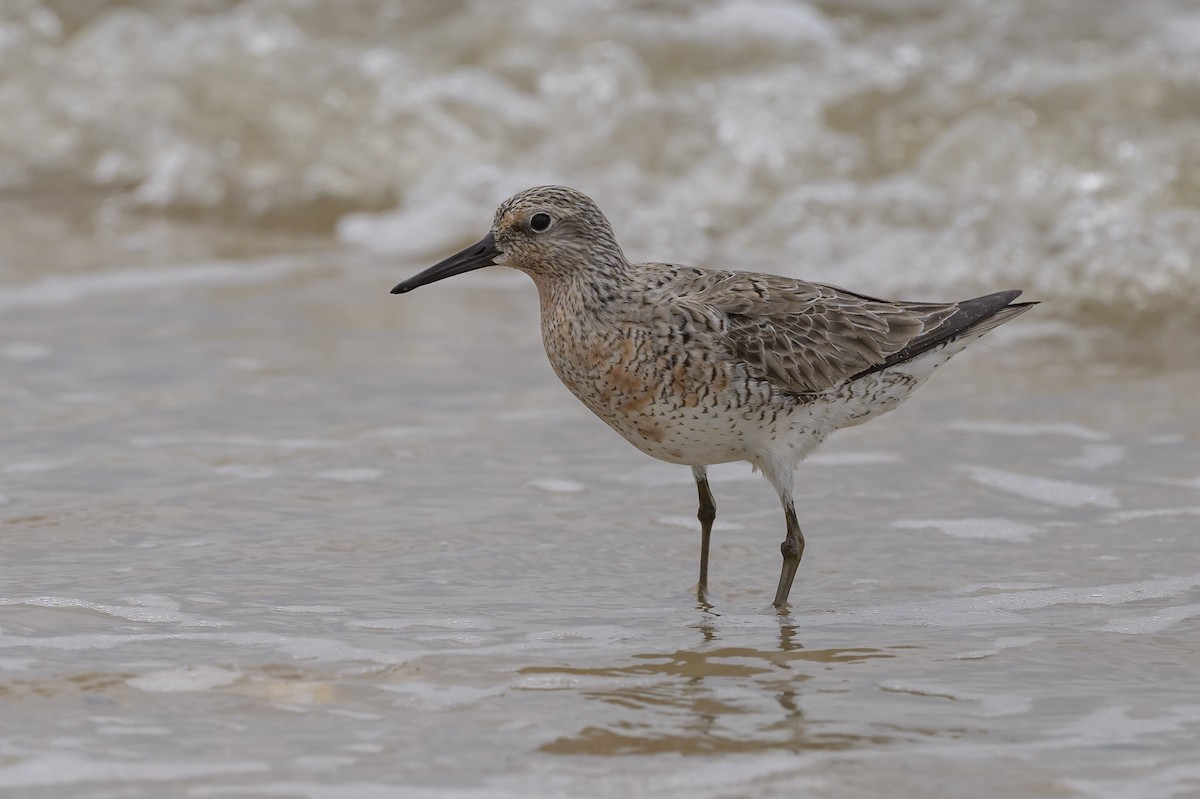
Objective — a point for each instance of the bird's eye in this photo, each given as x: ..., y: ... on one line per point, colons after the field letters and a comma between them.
x: 539, y: 223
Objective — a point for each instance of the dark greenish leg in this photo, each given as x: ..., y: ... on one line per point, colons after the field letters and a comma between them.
x: 792, y: 549
x: 706, y: 515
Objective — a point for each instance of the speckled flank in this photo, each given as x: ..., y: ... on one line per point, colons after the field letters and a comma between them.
x: 695, y: 366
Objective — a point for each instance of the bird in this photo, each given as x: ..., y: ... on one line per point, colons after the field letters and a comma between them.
x: 699, y: 366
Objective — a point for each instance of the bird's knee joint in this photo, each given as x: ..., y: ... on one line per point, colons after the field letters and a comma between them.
x: 791, y: 549
x: 707, y: 514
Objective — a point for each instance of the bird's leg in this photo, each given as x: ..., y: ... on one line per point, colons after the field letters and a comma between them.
x: 706, y: 515
x: 792, y: 549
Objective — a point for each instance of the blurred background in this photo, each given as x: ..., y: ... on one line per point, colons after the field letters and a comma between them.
x: 266, y: 529
x: 914, y: 147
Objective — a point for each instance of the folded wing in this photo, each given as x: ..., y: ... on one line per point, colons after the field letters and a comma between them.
x: 808, y: 337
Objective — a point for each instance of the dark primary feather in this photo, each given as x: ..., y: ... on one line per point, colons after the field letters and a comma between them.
x: 977, y: 314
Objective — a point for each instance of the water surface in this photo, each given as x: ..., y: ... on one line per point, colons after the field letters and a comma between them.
x: 271, y: 531
x: 266, y: 530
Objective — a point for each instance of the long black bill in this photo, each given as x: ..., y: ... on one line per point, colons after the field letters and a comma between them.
x: 480, y: 254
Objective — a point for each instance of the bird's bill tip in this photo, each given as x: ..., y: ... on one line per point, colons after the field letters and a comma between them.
x: 480, y: 254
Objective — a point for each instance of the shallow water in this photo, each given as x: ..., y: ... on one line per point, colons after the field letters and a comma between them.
x: 271, y: 531
x: 266, y: 530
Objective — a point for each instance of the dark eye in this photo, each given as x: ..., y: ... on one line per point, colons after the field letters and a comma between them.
x: 539, y: 222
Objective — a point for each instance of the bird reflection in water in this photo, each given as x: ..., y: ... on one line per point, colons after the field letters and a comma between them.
x: 710, y: 699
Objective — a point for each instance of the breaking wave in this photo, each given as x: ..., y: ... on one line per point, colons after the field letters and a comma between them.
x: 903, y: 147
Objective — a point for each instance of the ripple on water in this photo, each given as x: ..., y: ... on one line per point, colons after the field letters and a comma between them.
x: 690, y: 523
x: 1149, y: 513
x: 1030, y: 430
x: 431, y: 696
x: 853, y: 458
x: 148, y: 608
x: 408, y: 623
x: 245, y: 471
x: 556, y: 485
x: 989, y: 704
x: 988, y: 529
x: 187, y: 678
x: 40, y: 771
x: 350, y: 475
x: 24, y: 351
x: 1063, y: 493
x: 1156, y: 622
x: 999, y: 609
x: 1097, y: 456
x: 69, y: 289
x: 36, y: 467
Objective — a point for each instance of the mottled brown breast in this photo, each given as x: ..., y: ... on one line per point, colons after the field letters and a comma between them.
x: 606, y: 367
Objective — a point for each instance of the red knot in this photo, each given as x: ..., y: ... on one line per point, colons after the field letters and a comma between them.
x: 700, y: 366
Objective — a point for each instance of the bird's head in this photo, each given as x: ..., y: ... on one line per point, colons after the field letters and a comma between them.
x: 547, y: 232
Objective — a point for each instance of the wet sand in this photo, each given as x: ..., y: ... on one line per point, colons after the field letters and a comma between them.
x: 270, y: 531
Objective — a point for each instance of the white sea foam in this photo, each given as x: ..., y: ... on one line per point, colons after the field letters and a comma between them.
x: 1063, y: 493
x: 797, y: 142
x: 997, y: 529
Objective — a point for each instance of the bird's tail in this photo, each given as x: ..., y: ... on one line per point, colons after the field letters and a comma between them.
x: 989, y: 312
x: 970, y: 320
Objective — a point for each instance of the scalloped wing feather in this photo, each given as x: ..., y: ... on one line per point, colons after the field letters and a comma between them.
x: 806, y: 337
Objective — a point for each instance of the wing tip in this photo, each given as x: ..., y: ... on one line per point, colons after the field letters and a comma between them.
x: 977, y: 315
